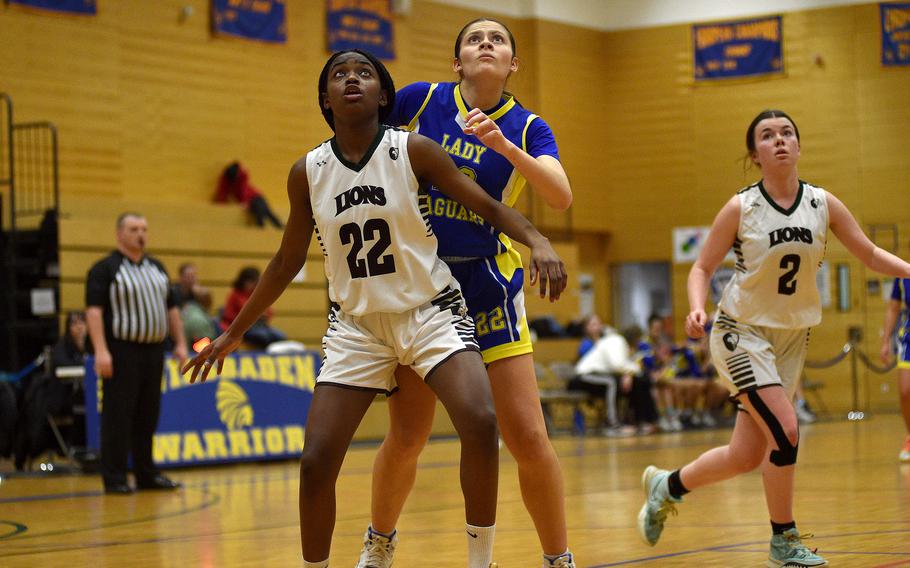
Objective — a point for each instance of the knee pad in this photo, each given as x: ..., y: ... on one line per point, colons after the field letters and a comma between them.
x: 785, y: 454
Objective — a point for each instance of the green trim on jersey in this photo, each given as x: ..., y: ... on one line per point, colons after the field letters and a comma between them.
x: 792, y: 208
x: 366, y: 157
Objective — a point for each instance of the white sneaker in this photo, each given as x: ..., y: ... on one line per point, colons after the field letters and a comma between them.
x: 707, y: 420
x: 564, y: 561
x: 803, y: 414
x: 377, y: 550
x: 675, y: 424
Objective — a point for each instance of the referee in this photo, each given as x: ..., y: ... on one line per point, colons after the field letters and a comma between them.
x: 128, y: 311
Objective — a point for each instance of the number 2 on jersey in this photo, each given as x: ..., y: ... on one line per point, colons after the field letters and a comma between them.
x: 375, y: 263
x: 786, y: 284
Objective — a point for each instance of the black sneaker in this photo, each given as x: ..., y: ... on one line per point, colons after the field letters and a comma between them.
x: 159, y: 482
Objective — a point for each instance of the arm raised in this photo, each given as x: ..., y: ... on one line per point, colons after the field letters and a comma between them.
x: 848, y: 231
x: 286, y: 263
x: 433, y: 165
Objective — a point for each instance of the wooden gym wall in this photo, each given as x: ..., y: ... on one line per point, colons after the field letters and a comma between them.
x: 154, y: 108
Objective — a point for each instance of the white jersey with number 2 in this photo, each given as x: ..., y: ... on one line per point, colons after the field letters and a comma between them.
x: 380, y: 253
x: 778, y: 253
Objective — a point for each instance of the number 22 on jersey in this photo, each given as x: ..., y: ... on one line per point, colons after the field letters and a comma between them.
x: 375, y: 263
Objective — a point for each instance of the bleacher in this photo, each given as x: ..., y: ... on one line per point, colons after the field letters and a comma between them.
x: 216, y: 238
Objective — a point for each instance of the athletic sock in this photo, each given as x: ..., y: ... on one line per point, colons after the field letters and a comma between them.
x: 323, y: 564
x: 781, y: 528
x: 382, y: 534
x: 675, y: 485
x: 548, y: 560
x: 480, y: 545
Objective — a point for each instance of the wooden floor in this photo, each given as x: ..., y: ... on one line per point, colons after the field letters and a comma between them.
x: 851, y: 493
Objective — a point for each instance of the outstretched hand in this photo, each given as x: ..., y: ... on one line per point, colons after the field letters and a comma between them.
x: 547, y: 268
x: 695, y: 323
x: 213, y: 353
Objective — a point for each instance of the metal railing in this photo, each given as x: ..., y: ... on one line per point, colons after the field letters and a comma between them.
x: 853, y: 350
x: 37, y: 179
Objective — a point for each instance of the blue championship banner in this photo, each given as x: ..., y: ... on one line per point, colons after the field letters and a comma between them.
x: 255, y: 409
x: 361, y: 24
x: 86, y: 7
x: 738, y: 49
x: 895, y: 34
x: 262, y: 20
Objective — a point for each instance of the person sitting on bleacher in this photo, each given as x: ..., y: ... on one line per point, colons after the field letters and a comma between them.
x: 234, y: 183
x: 656, y: 354
x: 45, y: 395
x: 72, y: 349
x: 593, y: 330
x: 261, y: 334
x: 194, y: 302
x: 605, y: 368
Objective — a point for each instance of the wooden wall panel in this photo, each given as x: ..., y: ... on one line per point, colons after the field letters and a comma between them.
x: 150, y: 109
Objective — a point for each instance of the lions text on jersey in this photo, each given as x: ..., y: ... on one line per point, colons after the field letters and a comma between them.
x: 373, y: 229
x: 778, y: 253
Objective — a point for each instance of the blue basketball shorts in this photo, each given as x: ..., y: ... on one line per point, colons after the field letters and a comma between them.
x: 492, y: 289
x: 903, y: 349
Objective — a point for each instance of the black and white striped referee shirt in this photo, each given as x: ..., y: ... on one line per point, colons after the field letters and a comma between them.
x: 134, y: 296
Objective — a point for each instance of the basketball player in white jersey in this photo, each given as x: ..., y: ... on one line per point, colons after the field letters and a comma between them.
x: 393, y: 300
x: 778, y: 229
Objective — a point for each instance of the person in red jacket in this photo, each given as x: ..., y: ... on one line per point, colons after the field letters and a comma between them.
x: 235, y: 184
x: 261, y: 334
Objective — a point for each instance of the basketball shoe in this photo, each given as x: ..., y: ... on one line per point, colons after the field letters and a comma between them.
x: 377, y: 550
x: 904, y: 456
x: 564, y: 561
x: 788, y: 550
x: 658, y: 504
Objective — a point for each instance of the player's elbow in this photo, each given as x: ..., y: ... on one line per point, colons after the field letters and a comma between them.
x: 561, y: 202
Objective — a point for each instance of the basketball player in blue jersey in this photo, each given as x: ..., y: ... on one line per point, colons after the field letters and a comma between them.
x: 778, y: 229
x: 900, y: 298
x: 503, y: 147
x: 394, y: 302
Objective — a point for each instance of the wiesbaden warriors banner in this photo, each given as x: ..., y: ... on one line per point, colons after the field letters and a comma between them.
x: 261, y: 20
x: 254, y: 410
x: 360, y: 24
x: 738, y: 49
x: 895, y: 34
x: 67, y: 6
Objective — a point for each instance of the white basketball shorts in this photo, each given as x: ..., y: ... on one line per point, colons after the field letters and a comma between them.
x: 363, y: 352
x: 750, y: 357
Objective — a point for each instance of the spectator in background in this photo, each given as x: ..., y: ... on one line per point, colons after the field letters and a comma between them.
x: 129, y: 310
x: 235, y: 184
x: 656, y: 353
x: 72, y: 349
x: 593, y: 330
x: 260, y: 334
x: 606, y: 367
x: 194, y: 302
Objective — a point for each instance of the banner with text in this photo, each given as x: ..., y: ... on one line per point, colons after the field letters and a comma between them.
x: 261, y: 20
x: 895, y: 34
x: 86, y: 7
x: 738, y: 49
x: 360, y: 24
x: 255, y: 409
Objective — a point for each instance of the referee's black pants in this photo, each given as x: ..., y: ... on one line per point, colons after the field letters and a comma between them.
x: 131, y: 404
